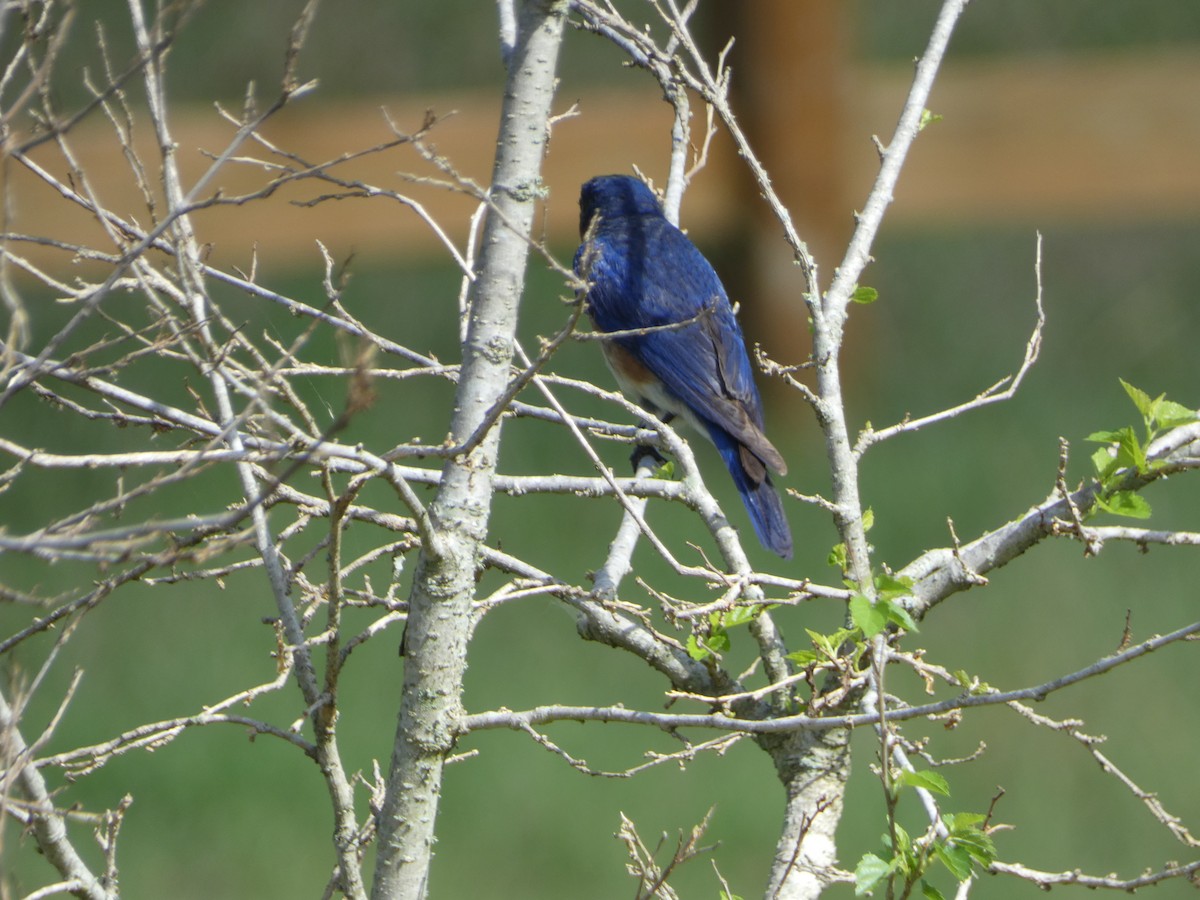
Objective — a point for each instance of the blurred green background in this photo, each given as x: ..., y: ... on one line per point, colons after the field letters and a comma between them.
x: 216, y: 815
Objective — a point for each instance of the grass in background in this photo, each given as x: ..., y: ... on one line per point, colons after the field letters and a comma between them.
x: 214, y: 814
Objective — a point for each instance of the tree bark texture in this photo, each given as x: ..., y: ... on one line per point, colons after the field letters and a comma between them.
x: 814, y: 767
x: 444, y: 583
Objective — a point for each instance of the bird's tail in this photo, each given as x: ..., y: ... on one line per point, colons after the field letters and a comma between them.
x: 762, y: 500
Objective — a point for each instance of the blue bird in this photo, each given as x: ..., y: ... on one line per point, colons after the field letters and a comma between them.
x: 644, y: 273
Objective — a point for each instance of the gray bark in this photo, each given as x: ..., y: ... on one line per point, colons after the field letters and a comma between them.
x: 45, y: 820
x: 439, y: 606
x: 814, y: 768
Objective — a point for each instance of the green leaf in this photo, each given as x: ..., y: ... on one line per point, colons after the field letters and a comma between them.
x: 890, y: 589
x: 872, y: 619
x: 891, y: 586
x: 829, y: 645
x: 737, y: 615
x: 956, y: 859
x: 967, y: 844
x: 869, y: 872
x: 979, y: 846
x: 929, y: 892
x: 928, y: 118
x: 1139, y: 397
x: 868, y: 516
x: 823, y: 643
x: 837, y: 557
x: 820, y: 641
x: 966, y: 833
x: 931, y: 781
x: 958, y: 822
x: 1104, y: 462
x: 804, y: 658
x: 864, y: 294
x: 1169, y: 414
x: 666, y: 471
x: 1129, y: 449
x: 714, y: 644
x: 896, y: 614
x: 1125, y: 503
x: 970, y: 683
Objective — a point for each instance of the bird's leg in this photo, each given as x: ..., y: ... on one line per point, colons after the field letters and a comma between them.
x: 641, y: 451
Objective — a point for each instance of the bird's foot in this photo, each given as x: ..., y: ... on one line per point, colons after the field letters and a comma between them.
x: 643, y: 452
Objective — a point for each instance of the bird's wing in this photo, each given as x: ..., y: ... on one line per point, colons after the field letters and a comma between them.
x: 645, y: 273
x: 706, y: 366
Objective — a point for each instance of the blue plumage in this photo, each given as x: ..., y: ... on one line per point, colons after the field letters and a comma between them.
x: 643, y: 272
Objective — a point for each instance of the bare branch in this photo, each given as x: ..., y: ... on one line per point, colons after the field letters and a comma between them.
x: 1047, y: 880
x: 1002, y: 390
x: 47, y: 821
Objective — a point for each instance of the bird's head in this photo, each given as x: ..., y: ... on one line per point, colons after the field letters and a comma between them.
x: 613, y: 196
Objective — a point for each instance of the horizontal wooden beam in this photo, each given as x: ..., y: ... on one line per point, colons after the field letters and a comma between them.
x: 1109, y: 138
x: 1106, y: 137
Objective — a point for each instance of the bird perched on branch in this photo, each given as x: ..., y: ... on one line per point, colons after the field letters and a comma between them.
x: 680, y: 351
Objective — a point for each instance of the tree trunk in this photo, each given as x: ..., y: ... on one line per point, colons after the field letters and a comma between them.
x: 814, y: 768
x: 444, y: 585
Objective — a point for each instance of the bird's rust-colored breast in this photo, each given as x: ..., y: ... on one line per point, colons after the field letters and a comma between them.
x: 626, y: 365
